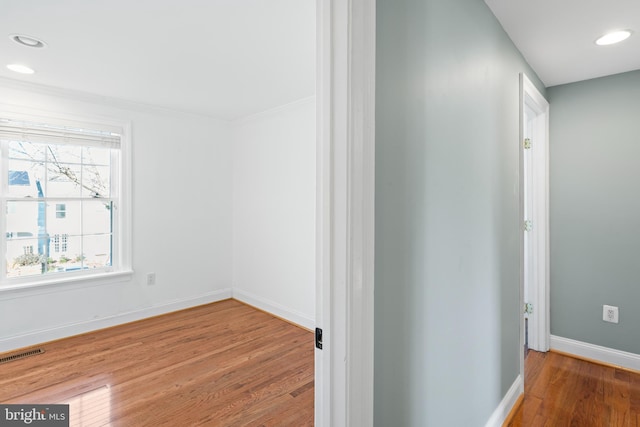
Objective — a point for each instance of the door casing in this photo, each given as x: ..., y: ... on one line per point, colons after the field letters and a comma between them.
x: 538, y: 258
x: 345, y: 126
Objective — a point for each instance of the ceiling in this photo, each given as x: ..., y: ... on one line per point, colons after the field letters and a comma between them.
x: 220, y: 58
x: 557, y: 38
x: 232, y: 58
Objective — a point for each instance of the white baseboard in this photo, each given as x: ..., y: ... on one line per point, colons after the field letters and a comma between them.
x: 45, y: 335
x: 597, y: 353
x: 508, y: 401
x: 274, y: 308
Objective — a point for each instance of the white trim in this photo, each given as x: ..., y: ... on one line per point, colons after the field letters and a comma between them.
x: 521, y: 213
x: 58, y: 332
x: 67, y: 282
x: 361, y: 192
x: 76, y: 95
x: 275, y: 110
x: 125, y: 210
x: 506, y: 405
x: 322, y: 362
x: 345, y: 99
x: 102, y: 122
x: 274, y: 308
x: 597, y: 353
x: 540, y: 292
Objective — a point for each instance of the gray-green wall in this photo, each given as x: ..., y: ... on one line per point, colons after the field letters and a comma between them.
x: 447, y: 213
x: 595, y: 209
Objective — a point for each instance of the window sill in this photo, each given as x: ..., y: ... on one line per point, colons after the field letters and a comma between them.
x: 69, y: 281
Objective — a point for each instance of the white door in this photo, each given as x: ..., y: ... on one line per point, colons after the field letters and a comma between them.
x: 535, y: 219
x: 530, y: 332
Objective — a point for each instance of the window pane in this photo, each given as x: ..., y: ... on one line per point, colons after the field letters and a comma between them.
x: 69, y: 224
x: 97, y: 251
x: 26, y: 151
x: 63, y: 180
x: 96, y: 217
x: 23, y: 258
x: 95, y: 181
x: 96, y: 156
x: 37, y: 234
x: 22, y: 177
x: 65, y: 252
x: 57, y: 154
x: 22, y: 218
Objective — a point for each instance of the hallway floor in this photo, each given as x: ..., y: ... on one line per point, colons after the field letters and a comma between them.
x: 564, y: 391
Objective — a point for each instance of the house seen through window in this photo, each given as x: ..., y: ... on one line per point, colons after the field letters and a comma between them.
x: 59, y: 198
x: 61, y: 210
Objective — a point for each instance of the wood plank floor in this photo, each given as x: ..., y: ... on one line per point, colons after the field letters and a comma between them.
x: 564, y: 391
x: 222, y: 364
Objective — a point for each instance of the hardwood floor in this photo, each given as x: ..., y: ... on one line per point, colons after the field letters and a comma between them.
x: 564, y: 391
x: 222, y: 364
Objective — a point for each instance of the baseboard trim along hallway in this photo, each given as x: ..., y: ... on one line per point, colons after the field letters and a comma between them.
x: 508, y: 402
x: 596, y: 353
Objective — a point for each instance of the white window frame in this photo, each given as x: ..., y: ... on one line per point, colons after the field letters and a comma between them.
x: 121, y: 267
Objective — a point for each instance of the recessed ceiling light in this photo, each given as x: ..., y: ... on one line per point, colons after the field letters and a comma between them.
x: 28, y: 41
x: 23, y: 69
x: 613, y: 37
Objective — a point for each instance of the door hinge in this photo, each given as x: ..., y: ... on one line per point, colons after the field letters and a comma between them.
x: 528, y: 308
x: 319, y: 338
x: 527, y: 143
x: 528, y: 225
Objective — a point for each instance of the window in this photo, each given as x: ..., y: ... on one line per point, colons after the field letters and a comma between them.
x: 62, y: 197
x: 55, y: 243
x: 61, y: 209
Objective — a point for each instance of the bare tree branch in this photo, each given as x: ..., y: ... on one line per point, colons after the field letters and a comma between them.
x: 55, y: 167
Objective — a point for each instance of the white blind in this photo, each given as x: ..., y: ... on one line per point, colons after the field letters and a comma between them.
x: 75, y: 134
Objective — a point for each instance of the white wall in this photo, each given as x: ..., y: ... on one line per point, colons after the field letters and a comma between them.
x: 181, y: 223
x: 274, y: 211
x: 183, y: 217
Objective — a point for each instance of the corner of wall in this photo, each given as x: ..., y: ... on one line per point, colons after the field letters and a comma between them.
x: 59, y: 332
x: 509, y: 402
x: 274, y: 308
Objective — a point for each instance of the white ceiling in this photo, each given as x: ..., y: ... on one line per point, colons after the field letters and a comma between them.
x: 557, y: 37
x: 233, y: 58
x: 221, y: 58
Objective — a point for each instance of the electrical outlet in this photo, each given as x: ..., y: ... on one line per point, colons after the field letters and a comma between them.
x: 610, y: 313
x: 151, y: 279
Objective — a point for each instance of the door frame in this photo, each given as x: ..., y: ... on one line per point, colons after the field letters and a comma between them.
x: 345, y: 128
x: 532, y: 98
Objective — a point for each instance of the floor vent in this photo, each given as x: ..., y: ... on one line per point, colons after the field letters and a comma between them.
x: 22, y: 355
